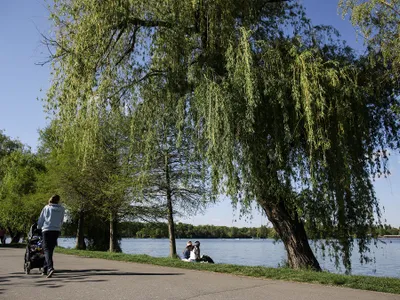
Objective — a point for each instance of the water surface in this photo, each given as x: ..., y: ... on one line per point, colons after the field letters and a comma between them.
x: 264, y: 252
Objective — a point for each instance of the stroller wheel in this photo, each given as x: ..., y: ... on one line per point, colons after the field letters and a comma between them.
x: 27, y: 268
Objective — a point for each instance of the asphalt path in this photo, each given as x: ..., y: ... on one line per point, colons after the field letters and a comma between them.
x: 88, y: 278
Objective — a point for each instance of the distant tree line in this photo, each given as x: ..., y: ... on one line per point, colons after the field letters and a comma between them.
x: 160, y: 230
x: 156, y: 230
x: 385, y: 230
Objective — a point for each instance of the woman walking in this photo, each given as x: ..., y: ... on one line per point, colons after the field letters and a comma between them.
x: 50, y: 221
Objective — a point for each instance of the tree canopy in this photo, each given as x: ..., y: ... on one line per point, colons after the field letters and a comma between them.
x: 21, y: 174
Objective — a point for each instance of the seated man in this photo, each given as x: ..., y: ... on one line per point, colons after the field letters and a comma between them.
x: 186, y: 252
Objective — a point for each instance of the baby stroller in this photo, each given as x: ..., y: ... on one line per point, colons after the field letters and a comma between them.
x: 34, y: 254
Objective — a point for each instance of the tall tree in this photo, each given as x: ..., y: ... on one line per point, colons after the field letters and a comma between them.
x: 65, y: 176
x: 93, y: 188
x: 173, y: 176
x: 286, y: 119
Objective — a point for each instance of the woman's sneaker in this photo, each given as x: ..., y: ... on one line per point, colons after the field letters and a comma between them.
x: 50, y: 273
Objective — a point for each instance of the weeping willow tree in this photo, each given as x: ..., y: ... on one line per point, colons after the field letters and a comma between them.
x: 282, y: 112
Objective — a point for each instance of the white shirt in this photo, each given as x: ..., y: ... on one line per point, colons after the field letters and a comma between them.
x: 195, y: 253
x: 192, y: 255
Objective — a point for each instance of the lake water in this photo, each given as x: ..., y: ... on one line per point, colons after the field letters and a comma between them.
x: 266, y: 252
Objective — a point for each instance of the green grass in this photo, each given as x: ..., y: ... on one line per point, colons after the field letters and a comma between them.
x: 379, y: 284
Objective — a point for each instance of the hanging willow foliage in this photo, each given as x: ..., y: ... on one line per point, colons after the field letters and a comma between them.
x: 378, y: 21
x: 283, y: 112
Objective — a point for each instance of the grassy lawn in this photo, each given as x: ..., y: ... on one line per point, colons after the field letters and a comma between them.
x: 379, y: 284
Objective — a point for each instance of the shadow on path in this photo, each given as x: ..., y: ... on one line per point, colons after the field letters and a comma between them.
x: 89, y: 272
x: 62, y: 277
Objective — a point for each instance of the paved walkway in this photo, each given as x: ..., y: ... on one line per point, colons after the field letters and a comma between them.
x: 87, y: 278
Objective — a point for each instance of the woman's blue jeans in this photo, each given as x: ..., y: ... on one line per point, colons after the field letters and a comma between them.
x: 49, y: 243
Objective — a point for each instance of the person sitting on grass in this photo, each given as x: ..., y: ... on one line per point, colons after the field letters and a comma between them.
x: 195, y: 253
x: 188, y: 248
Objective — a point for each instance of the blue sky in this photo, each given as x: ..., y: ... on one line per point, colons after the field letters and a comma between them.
x: 22, y: 83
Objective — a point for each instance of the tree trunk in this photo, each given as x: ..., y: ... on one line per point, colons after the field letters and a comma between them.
x: 171, y: 230
x: 291, y: 230
x: 111, y: 249
x: 80, y: 237
x: 171, y: 225
x: 115, y: 238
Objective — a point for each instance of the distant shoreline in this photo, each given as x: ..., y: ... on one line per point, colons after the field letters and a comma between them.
x: 390, y: 236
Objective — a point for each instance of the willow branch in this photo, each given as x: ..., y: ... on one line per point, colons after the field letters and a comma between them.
x: 131, y: 47
x: 391, y: 6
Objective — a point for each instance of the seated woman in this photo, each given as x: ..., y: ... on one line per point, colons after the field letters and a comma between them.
x: 188, y: 249
x: 195, y: 253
